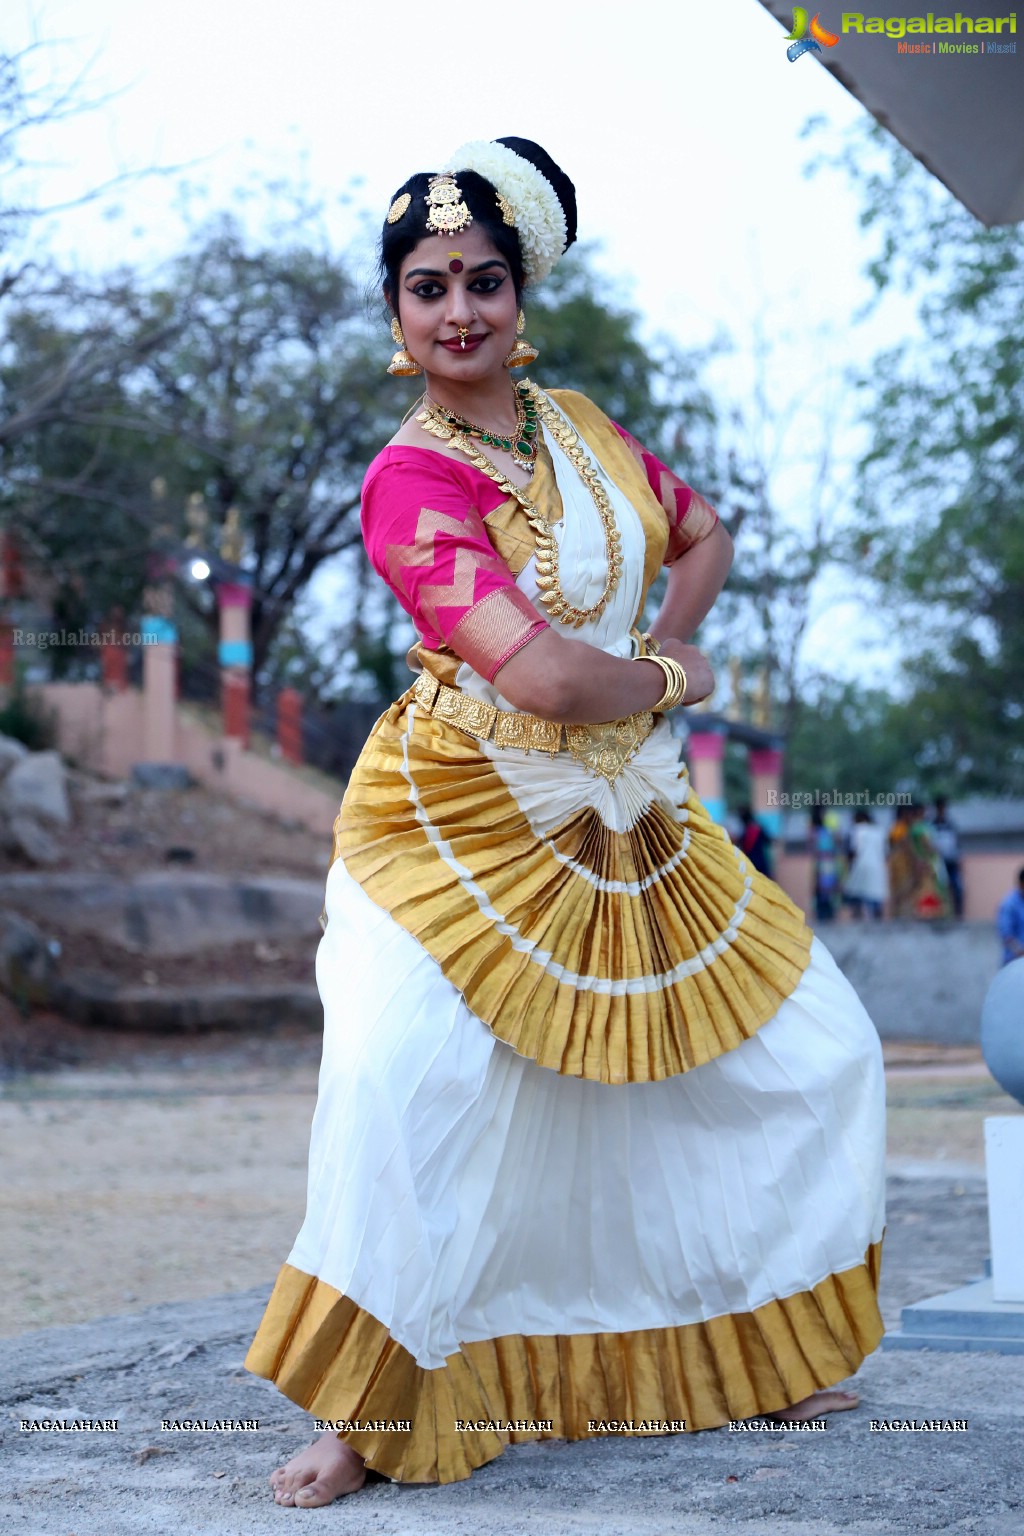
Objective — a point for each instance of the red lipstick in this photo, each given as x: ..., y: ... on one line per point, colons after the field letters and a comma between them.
x: 456, y: 345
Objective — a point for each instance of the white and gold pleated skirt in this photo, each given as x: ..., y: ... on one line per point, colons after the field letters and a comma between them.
x: 495, y: 1250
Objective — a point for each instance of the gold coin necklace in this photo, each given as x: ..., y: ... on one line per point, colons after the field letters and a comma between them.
x: 435, y: 420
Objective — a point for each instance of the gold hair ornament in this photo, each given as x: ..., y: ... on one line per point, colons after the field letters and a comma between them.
x: 399, y: 207
x: 449, y: 214
x: 508, y: 212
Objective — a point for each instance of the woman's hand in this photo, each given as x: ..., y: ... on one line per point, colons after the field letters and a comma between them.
x: 700, y: 680
x: 559, y: 678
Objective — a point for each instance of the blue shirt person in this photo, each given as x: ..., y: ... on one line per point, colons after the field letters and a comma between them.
x: 1010, y: 922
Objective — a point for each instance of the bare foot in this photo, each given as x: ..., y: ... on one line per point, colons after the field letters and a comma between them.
x: 831, y: 1400
x: 318, y: 1475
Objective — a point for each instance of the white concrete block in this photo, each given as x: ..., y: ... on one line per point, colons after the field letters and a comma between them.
x: 1004, y: 1165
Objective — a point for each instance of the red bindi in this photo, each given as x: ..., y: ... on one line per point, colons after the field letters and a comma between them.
x: 455, y: 266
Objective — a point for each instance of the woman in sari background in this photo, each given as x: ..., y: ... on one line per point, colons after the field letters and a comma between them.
x: 917, y: 876
x: 598, y: 1144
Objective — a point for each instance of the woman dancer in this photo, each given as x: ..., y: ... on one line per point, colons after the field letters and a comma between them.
x: 598, y: 1141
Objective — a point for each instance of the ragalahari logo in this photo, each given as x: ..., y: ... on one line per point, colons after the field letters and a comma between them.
x: 800, y: 43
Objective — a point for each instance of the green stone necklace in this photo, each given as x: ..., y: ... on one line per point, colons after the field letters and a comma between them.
x: 522, y: 444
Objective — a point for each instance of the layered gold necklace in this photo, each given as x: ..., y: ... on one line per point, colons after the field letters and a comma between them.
x: 440, y: 423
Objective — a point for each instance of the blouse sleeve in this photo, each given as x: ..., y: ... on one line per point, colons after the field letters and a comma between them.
x: 690, y: 517
x: 426, y: 537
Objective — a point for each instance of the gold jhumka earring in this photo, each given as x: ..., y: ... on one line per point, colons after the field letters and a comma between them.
x: 523, y: 353
x: 403, y: 365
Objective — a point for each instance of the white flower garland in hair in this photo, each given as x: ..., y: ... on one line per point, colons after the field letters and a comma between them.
x: 539, y: 219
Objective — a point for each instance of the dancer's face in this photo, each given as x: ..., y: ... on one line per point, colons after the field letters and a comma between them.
x: 478, y: 298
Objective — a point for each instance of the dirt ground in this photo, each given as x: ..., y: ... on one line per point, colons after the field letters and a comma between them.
x: 166, y: 1170
x: 121, y: 829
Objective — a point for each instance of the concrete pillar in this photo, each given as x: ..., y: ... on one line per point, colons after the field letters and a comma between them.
x: 159, y: 672
x: 705, y: 756
x: 114, y: 658
x: 11, y: 579
x: 1004, y: 1166
x: 289, y: 724
x: 234, y: 600
x: 765, y: 765
x: 10, y: 587
x: 235, y: 705
x: 7, y: 660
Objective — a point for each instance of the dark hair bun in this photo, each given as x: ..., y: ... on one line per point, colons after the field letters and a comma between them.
x: 564, y: 189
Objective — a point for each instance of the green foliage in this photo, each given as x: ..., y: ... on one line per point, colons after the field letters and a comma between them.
x: 849, y: 738
x: 941, y: 489
x: 245, y: 374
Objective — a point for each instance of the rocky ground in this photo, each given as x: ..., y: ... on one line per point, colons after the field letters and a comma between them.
x: 123, y: 830
x: 119, y: 828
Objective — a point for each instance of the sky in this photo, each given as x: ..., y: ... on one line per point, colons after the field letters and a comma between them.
x: 682, y: 134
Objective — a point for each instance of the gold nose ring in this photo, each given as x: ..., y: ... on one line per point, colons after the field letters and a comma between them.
x: 463, y: 333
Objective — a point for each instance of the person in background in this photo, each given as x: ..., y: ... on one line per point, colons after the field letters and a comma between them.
x: 755, y: 842
x: 917, y: 875
x: 1010, y: 922
x: 825, y: 853
x: 946, y: 839
x: 867, y: 885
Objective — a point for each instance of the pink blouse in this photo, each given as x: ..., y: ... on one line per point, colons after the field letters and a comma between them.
x: 690, y: 517
x: 424, y: 526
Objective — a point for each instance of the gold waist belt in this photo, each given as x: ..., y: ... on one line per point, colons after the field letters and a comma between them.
x: 604, y: 749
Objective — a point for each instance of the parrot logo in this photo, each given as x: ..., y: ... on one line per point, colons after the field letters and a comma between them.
x: 800, y: 43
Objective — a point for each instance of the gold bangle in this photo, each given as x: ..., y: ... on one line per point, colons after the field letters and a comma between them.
x: 675, y: 682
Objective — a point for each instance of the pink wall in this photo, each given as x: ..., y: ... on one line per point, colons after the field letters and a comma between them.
x: 106, y: 732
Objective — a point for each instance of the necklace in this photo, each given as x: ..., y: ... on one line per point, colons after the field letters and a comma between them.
x: 435, y: 422
x: 522, y: 444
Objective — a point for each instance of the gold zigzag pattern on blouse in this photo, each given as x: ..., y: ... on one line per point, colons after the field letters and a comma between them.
x: 619, y: 957
x: 338, y: 1362
x: 690, y: 517
x: 458, y: 590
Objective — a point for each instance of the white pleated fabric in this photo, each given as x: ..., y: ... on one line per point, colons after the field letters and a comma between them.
x: 459, y: 1192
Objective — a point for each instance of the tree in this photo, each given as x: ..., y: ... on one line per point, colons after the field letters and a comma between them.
x: 244, y: 375
x: 850, y: 738
x: 942, y: 485
x: 761, y: 620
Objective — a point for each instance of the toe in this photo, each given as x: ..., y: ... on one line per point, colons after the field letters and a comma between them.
x: 311, y: 1495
